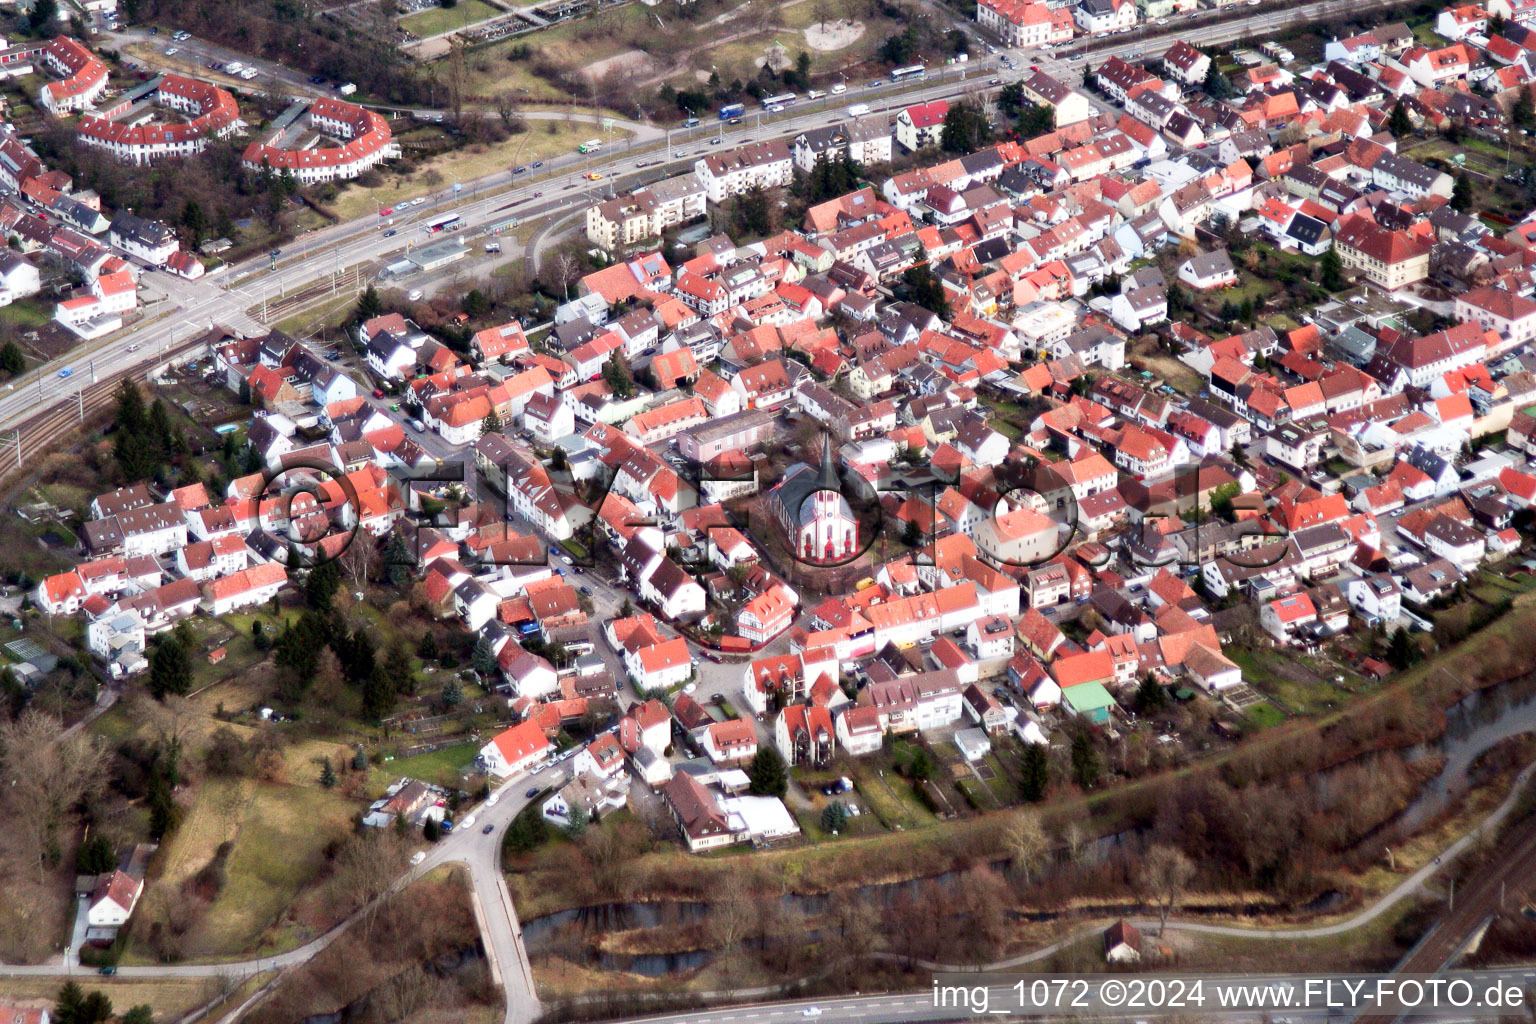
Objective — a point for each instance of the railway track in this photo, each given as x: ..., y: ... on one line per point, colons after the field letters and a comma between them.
x: 46, y: 430
x: 1475, y: 903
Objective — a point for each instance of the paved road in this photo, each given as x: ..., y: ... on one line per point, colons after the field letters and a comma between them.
x: 478, y: 851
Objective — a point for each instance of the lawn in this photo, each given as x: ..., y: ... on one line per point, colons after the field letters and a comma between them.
x: 1264, y: 716
x: 27, y: 314
x: 437, y: 20
x: 543, y: 140
x: 1289, y: 679
x: 438, y: 766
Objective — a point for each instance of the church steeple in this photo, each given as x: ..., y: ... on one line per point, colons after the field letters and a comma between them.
x: 827, y: 480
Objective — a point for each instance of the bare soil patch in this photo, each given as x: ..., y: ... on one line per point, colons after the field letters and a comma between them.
x: 833, y: 35
x: 634, y: 61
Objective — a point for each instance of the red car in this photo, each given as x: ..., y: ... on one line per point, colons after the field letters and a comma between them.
x: 386, y: 211
x: 378, y: 392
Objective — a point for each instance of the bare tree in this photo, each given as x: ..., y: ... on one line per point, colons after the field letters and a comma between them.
x: 1025, y: 841
x: 732, y: 919
x: 1165, y: 874
x: 359, y: 558
x: 1072, y: 839
x: 366, y: 866
x: 458, y: 77
x: 821, y: 12
x: 507, y: 110
x: 46, y: 775
x: 566, y: 269
x: 407, y: 993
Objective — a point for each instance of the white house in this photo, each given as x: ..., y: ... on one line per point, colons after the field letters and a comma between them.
x: 516, y: 750
x: 113, y: 900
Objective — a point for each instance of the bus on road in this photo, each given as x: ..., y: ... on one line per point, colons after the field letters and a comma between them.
x: 912, y: 71
x: 779, y: 101
x: 437, y: 224
x: 731, y: 110
x: 590, y: 146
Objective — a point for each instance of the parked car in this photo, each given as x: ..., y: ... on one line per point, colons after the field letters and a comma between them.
x: 533, y: 791
x: 418, y: 856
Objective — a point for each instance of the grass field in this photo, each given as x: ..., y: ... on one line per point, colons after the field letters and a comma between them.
x: 170, y: 998
x: 543, y: 140
x: 437, y: 20
x: 279, y: 834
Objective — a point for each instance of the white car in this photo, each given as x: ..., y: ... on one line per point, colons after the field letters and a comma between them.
x: 490, y: 801
x: 690, y: 688
x: 466, y: 822
x: 811, y: 1011
x: 171, y: 51
x: 418, y: 856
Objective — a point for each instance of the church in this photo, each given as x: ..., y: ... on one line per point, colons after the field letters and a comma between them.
x: 815, y: 515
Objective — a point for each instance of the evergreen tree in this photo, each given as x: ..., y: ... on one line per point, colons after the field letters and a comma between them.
x: 11, y: 359
x: 1036, y: 119
x: 359, y: 760
x: 577, y: 821
x: 141, y: 1014
x: 912, y: 533
x: 767, y: 775
x: 398, y: 562
x: 616, y: 374
x: 95, y: 1009
x: 1217, y: 85
x: 528, y: 831
x: 327, y: 774
x: 1151, y: 695
x: 1035, y: 772
x: 1086, y: 767
x: 44, y: 14
x: 431, y: 831
x: 96, y: 856
x: 1331, y: 270
x: 132, y: 447
x: 452, y: 695
x: 835, y: 817
x: 1399, y: 124
x: 1523, y: 113
x: 926, y: 290
x: 369, y: 305
x: 1461, y: 193
x: 170, y: 668
x: 483, y: 660
x: 379, y: 693
x: 66, y: 1005
x: 426, y: 649
x: 158, y: 794
x: 1401, y: 650
x: 491, y: 424
x: 321, y: 584
x: 965, y: 129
